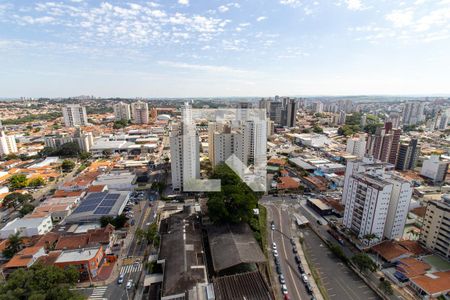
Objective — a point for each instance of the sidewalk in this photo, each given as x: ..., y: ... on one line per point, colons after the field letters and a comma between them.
x: 305, y: 265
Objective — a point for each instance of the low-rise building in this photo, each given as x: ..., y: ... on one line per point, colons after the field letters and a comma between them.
x: 435, y: 169
x: 88, y: 261
x: 27, y: 227
x: 24, y: 258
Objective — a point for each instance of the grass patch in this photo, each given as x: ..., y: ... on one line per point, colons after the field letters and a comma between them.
x: 315, y: 275
x: 263, y: 227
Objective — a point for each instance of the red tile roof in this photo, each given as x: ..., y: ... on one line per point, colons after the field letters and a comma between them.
x: 438, y: 282
x: 72, y: 242
x: 390, y: 250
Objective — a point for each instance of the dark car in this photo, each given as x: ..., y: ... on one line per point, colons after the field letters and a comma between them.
x: 292, y: 242
x: 309, y: 288
x: 279, y: 270
x: 301, y: 269
x: 297, y: 259
x: 294, y: 249
x: 276, y: 260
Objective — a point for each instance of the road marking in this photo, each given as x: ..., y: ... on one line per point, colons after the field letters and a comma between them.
x: 98, y: 293
x: 131, y: 268
x: 285, y: 254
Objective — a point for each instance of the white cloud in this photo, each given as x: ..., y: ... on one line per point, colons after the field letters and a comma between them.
x: 262, y: 18
x: 292, y: 3
x: 183, y: 2
x: 223, y: 8
x: 354, y: 4
x: 400, y: 18
x: 203, y: 68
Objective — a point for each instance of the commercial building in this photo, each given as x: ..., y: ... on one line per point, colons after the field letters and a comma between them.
x: 97, y: 205
x: 408, y: 153
x: 435, y: 233
x: 376, y: 201
x: 122, y: 111
x: 88, y: 261
x: 74, y: 115
x: 435, y: 169
x: 7, y: 143
x: 117, y: 181
x: 357, y: 145
x: 139, y: 112
x: 27, y: 227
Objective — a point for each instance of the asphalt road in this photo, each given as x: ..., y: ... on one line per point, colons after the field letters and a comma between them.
x: 347, y: 285
x: 280, y: 236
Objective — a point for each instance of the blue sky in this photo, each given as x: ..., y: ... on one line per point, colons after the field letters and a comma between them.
x: 193, y: 48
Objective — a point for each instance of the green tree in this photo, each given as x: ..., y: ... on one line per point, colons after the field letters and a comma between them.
x: 17, y: 181
x: 36, y: 182
x: 348, y: 130
x: 105, y: 220
x: 16, y: 199
x: 14, y: 245
x: 41, y: 282
x: 85, y: 155
x: 120, y: 124
x: 67, y: 165
x: 235, y: 202
x: 337, y: 250
x: 317, y: 129
x: 26, y: 209
x: 372, y: 128
x: 385, y: 286
x: 364, y: 262
x: 70, y: 149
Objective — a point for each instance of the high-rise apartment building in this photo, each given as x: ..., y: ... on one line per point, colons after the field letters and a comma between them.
x: 357, y: 145
x: 408, y: 153
x: 74, y: 115
x: 139, y: 112
x: 122, y: 111
x: 384, y: 144
x: 289, y: 117
x: 184, y: 151
x: 317, y: 107
x: 342, y: 117
x: 275, y: 114
x: 7, y: 143
x: 435, y: 233
x: 413, y: 113
x: 435, y: 169
x: 376, y: 202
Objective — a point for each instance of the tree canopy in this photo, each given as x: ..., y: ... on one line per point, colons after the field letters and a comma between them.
x: 67, y: 165
x: 118, y: 222
x: 17, y: 181
x: 41, y: 282
x: 16, y: 199
x: 235, y: 202
x: 364, y: 262
x: 14, y: 245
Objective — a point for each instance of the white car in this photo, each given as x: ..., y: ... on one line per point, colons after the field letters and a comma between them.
x: 274, y: 246
x: 129, y: 284
x: 275, y: 253
x: 284, y: 289
x: 304, y: 278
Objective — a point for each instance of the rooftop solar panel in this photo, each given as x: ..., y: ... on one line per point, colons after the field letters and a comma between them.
x: 85, y: 208
x: 112, y: 197
x: 107, y: 202
x: 102, y: 210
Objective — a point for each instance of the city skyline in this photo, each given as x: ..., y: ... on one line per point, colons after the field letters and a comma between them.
x: 223, y: 48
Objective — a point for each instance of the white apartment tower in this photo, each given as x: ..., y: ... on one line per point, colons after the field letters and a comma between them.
x: 434, y: 168
x: 74, y: 115
x: 122, y: 111
x: 7, y: 143
x: 184, y: 153
x: 357, y: 145
x: 376, y: 201
x: 413, y: 113
x: 139, y: 112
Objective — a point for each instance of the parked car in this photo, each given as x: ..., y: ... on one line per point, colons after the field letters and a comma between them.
x: 275, y: 253
x: 279, y: 270
x: 276, y: 260
x: 304, y: 278
x: 274, y: 246
x: 292, y: 242
x: 294, y: 249
x: 301, y: 269
x: 129, y: 284
x: 309, y: 288
x: 120, y: 279
x: 297, y: 259
x: 282, y: 280
x: 284, y: 289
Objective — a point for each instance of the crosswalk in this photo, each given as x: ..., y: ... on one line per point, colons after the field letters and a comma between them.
x: 98, y: 293
x: 131, y: 268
